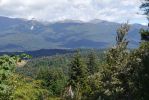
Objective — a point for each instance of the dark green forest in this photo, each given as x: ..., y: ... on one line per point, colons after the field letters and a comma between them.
x: 116, y: 73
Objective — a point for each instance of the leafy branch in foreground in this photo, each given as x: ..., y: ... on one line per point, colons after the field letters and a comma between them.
x: 7, y: 69
x: 7, y: 66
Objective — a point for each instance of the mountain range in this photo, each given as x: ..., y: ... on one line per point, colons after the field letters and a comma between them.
x: 18, y: 34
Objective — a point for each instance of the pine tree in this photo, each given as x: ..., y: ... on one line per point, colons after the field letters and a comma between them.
x: 92, y: 63
x: 78, y: 76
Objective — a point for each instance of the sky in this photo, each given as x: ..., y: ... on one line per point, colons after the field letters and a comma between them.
x: 84, y: 10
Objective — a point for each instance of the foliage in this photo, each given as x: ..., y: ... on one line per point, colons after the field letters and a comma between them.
x: 34, y: 65
x: 7, y: 65
x: 141, y: 75
x: 57, y: 61
x: 54, y: 80
x: 125, y: 74
x: 142, y: 78
x: 145, y: 7
x: 78, y: 76
x: 144, y: 34
x: 115, y: 77
x: 28, y: 89
x: 92, y: 63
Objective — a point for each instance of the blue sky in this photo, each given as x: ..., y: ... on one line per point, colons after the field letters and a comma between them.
x: 84, y: 10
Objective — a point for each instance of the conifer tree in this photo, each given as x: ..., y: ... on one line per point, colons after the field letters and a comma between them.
x: 115, y: 75
x: 78, y: 76
x: 141, y: 76
x: 92, y: 63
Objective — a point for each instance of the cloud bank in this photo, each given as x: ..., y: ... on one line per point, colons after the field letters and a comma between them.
x: 85, y: 10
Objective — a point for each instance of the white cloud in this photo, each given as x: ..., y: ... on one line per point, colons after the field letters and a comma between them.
x: 53, y: 10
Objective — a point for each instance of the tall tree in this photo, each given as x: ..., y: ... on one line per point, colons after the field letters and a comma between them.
x: 78, y: 76
x: 143, y: 51
x: 92, y: 63
x: 141, y: 75
x: 115, y: 77
x: 142, y: 71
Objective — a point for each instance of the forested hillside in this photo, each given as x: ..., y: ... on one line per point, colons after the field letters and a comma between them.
x: 41, y: 52
x: 113, y: 74
x: 116, y: 73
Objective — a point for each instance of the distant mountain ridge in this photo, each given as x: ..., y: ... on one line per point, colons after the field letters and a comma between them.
x: 41, y: 52
x: 18, y: 34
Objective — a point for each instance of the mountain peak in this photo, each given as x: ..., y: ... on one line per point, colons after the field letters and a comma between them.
x: 97, y: 21
x: 19, y: 35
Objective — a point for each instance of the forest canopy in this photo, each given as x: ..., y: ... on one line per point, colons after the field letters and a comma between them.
x: 117, y: 73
